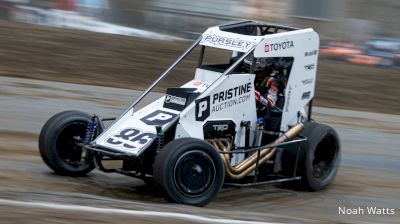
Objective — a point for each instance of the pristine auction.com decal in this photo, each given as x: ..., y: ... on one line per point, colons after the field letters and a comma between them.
x: 226, y: 41
x: 222, y: 100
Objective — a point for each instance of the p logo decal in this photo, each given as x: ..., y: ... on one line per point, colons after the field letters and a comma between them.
x: 202, y: 108
x: 158, y: 117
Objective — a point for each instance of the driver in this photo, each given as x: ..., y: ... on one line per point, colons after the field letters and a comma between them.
x: 266, y: 83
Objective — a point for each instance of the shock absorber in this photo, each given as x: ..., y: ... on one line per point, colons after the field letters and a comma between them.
x: 90, y: 130
x: 258, y: 138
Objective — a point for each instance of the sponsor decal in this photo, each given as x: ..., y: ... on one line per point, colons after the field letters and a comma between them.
x: 226, y: 41
x: 130, y: 139
x: 309, y: 67
x: 230, y: 97
x: 310, y: 53
x: 197, y: 83
x: 178, y: 98
x: 158, y: 117
x: 219, y: 129
x: 306, y: 95
x: 266, y: 47
x: 222, y: 100
x: 278, y: 46
x: 288, y: 98
x: 307, y: 81
x: 175, y: 99
x: 202, y: 109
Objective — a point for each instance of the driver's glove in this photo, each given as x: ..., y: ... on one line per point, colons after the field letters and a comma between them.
x: 262, y: 100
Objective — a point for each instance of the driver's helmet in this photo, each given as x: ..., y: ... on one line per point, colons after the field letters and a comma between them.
x: 261, y: 63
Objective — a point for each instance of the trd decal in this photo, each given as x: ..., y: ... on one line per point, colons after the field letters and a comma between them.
x: 219, y: 129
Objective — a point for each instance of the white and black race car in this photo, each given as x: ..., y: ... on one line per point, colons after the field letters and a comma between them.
x: 231, y: 125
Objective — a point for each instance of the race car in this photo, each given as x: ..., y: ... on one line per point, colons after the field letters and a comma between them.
x: 378, y: 52
x: 338, y: 50
x: 379, y: 58
x: 244, y: 122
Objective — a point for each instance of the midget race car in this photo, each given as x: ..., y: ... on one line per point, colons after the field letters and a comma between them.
x: 219, y: 129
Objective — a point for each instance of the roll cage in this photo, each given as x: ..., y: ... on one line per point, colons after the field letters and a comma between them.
x: 298, y: 44
x: 248, y: 28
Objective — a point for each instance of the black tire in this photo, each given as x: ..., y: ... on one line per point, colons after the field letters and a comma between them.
x: 320, y: 158
x: 190, y: 170
x: 57, y: 144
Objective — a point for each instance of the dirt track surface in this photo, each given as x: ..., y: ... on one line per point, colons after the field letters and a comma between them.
x: 89, y: 58
x: 31, y: 193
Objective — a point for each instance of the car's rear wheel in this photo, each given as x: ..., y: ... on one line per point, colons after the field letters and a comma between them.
x: 321, y: 156
x: 58, y: 143
x: 190, y: 171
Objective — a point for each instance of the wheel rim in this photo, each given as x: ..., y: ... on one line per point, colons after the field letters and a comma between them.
x: 194, y: 173
x: 66, y: 146
x: 324, y: 158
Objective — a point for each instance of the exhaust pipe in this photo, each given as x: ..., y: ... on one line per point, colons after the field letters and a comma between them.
x: 245, y: 167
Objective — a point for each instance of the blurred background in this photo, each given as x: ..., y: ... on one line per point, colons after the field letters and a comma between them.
x: 353, y: 21
x: 101, y: 41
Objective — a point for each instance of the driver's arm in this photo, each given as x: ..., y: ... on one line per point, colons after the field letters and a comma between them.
x: 272, y: 95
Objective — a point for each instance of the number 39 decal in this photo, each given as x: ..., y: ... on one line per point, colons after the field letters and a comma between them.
x: 131, y: 139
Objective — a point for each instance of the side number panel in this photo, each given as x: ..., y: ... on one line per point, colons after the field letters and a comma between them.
x: 130, y: 139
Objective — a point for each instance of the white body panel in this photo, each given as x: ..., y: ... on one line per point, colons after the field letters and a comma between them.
x: 121, y: 135
x: 134, y: 131
x: 209, y: 106
x: 206, y: 76
x: 303, y: 45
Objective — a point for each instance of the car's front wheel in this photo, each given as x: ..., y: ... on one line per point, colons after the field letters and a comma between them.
x: 190, y: 170
x: 58, y: 143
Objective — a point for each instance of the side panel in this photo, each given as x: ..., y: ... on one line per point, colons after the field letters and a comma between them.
x: 135, y: 131
x: 230, y: 98
x: 206, y: 76
x: 303, y: 45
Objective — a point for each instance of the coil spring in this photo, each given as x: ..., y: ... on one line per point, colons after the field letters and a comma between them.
x: 90, y: 129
